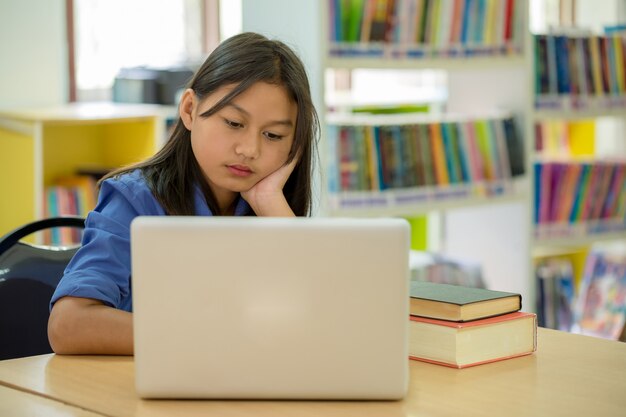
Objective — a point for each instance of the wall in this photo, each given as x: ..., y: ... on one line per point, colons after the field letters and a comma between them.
x: 276, y: 21
x: 33, y: 53
x: 593, y: 14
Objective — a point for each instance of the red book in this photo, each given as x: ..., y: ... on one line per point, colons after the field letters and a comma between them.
x: 508, y: 20
x: 465, y: 344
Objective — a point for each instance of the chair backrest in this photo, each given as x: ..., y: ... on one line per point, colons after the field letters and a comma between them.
x: 29, y: 275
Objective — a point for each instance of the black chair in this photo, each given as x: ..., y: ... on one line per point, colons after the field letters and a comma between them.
x: 29, y: 275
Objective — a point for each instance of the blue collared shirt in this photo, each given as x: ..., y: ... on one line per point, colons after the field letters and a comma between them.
x: 101, y: 267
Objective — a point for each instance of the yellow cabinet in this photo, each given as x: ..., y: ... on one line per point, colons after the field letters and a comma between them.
x: 38, y: 146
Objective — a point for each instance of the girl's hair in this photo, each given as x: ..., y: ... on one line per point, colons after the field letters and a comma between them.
x: 243, y: 60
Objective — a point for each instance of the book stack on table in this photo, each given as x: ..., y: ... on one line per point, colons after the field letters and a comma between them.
x: 461, y: 327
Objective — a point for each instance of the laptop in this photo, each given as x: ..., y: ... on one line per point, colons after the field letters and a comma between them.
x: 270, y: 308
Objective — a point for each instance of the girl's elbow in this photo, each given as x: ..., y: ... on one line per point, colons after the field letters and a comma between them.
x: 57, y: 334
x: 61, y: 329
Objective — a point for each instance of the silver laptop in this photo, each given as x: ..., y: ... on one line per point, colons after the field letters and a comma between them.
x: 254, y: 308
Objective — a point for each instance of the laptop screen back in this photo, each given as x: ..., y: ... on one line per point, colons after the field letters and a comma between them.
x: 248, y: 307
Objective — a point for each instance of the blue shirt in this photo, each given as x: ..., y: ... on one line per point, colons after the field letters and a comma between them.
x: 101, y: 267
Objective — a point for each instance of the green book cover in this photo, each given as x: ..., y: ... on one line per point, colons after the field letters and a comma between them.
x: 460, y: 304
x: 455, y: 294
x: 484, y: 147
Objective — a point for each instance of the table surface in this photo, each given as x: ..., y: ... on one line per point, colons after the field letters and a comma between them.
x: 17, y: 403
x: 569, y: 375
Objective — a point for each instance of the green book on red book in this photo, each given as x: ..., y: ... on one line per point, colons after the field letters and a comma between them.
x: 457, y: 303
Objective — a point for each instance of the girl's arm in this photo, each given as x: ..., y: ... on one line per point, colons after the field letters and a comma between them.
x: 87, y: 326
x: 266, y: 197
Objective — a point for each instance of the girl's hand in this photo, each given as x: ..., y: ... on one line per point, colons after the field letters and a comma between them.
x: 266, y: 197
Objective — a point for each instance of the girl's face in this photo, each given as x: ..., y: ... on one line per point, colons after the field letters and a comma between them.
x: 243, y: 142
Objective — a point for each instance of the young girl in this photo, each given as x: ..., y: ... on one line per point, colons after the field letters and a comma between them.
x: 242, y: 146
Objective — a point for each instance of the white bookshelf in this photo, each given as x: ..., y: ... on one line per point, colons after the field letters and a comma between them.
x: 574, y: 240
x: 448, y: 64
x: 590, y: 113
x: 422, y: 201
x: 496, y: 231
x: 608, y: 111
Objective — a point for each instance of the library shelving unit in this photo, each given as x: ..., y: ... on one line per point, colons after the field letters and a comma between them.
x: 38, y: 146
x: 579, y: 194
x: 383, y: 164
x: 491, y: 229
x: 581, y: 79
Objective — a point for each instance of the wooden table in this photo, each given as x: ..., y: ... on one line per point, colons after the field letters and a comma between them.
x: 569, y: 375
x: 16, y: 403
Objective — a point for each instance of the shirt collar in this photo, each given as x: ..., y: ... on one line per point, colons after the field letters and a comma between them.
x: 201, y: 208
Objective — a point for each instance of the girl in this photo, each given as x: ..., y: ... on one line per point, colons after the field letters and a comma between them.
x: 242, y: 146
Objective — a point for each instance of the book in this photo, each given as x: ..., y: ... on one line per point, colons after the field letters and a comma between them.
x: 600, y: 308
x: 555, y: 292
x: 438, y: 154
x: 462, y: 345
x: 460, y: 304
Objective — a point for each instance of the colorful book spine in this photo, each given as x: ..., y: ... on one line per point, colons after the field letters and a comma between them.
x: 73, y: 195
x: 439, y: 156
x: 578, y: 198
x: 580, y: 71
x: 379, y: 157
x: 423, y: 28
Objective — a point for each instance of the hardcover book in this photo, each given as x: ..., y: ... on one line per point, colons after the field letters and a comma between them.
x: 462, y: 345
x: 457, y: 303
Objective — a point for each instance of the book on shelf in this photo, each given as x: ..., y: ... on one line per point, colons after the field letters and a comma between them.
x: 458, y: 303
x: 600, y: 308
x: 579, y: 197
x: 580, y: 70
x: 555, y: 293
x: 379, y: 153
x: 425, y: 28
x: 466, y: 344
x: 73, y: 195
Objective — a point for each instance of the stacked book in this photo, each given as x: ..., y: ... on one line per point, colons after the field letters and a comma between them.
x: 461, y: 327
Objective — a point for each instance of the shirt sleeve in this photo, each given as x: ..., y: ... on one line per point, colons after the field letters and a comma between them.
x: 101, y: 268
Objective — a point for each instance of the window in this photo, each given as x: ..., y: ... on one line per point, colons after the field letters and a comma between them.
x: 114, y: 34
x: 385, y: 88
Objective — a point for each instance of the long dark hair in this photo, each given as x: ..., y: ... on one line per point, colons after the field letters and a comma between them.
x: 242, y: 60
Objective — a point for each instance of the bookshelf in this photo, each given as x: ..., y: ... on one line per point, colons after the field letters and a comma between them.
x: 38, y: 146
x: 497, y: 231
x: 580, y: 101
x: 482, y: 78
x: 383, y: 162
x: 581, y: 80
